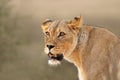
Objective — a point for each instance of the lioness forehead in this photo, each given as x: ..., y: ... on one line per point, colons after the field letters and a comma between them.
x: 54, y: 25
x: 58, y: 26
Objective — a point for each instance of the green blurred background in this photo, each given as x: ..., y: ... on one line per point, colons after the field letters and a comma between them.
x: 21, y: 38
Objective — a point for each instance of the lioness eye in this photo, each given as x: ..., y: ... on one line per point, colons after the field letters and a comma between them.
x: 47, y: 33
x: 61, y: 34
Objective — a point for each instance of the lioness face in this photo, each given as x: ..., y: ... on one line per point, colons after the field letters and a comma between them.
x: 60, y: 38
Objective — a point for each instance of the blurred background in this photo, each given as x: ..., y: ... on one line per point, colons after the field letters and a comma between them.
x: 21, y: 38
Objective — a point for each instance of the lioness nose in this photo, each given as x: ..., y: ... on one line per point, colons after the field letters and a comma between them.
x: 50, y: 46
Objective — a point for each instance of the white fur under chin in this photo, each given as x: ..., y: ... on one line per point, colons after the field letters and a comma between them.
x: 53, y: 62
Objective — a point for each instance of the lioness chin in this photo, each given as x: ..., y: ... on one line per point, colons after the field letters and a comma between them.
x: 94, y: 51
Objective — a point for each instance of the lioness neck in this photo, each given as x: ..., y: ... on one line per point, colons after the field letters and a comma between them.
x: 76, y: 55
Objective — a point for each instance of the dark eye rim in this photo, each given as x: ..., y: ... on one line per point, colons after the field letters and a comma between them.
x: 47, y: 33
x: 61, y: 34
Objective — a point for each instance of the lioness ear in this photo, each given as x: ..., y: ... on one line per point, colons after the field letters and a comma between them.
x: 76, y: 23
x: 46, y: 24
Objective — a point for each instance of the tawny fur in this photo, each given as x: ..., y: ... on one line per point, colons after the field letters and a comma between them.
x: 94, y: 51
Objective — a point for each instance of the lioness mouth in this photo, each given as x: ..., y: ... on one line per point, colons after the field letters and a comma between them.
x: 58, y: 57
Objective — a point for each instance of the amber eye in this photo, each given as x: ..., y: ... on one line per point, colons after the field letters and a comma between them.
x: 61, y: 34
x: 47, y: 33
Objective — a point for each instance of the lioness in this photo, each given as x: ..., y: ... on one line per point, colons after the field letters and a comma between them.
x: 94, y: 51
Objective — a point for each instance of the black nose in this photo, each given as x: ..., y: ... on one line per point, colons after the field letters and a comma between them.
x: 50, y: 46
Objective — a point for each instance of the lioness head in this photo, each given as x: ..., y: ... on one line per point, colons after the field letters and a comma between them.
x: 60, y: 38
